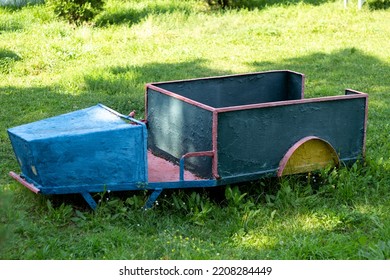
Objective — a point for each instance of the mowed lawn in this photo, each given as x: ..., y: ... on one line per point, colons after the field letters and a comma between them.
x: 49, y: 67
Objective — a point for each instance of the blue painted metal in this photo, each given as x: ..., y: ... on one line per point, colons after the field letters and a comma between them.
x: 89, y: 199
x: 153, y: 198
x: 89, y: 150
x: 182, y: 161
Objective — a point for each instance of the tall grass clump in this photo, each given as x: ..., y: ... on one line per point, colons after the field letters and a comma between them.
x: 7, y: 60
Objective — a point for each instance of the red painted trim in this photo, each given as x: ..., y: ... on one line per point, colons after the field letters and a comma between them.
x: 365, y: 129
x: 199, y: 154
x: 128, y: 117
x: 193, y: 154
x: 215, y: 144
x: 290, y: 102
x: 354, y: 91
x: 18, y: 178
x: 180, y: 97
x: 303, y: 85
x: 146, y: 102
x: 291, y: 151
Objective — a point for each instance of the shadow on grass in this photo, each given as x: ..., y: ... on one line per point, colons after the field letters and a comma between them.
x: 267, y: 3
x: 7, y: 60
x: 130, y: 15
x: 129, y: 81
x: 7, y: 54
x: 261, y: 4
x: 127, y: 16
x: 110, y: 79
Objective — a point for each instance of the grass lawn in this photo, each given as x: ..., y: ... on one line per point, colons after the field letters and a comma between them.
x: 49, y: 67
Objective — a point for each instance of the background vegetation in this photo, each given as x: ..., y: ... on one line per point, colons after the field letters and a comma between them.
x: 76, y: 11
x: 49, y: 67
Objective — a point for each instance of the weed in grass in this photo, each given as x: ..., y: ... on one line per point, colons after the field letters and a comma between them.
x: 10, y: 26
x: 242, y: 206
x: 195, y: 205
x: 61, y: 215
x: 294, y: 193
x: 136, y: 202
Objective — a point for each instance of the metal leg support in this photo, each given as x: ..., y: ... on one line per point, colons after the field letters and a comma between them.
x: 89, y: 199
x: 360, y: 3
x: 152, y: 198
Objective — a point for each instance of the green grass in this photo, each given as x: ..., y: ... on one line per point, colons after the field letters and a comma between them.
x: 48, y: 67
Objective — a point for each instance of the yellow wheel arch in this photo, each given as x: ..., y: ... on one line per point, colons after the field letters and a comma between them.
x: 308, y: 154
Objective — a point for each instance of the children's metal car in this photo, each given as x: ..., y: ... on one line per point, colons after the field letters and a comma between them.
x: 202, y: 132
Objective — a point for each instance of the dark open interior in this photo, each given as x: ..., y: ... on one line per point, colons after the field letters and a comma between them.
x: 238, y: 90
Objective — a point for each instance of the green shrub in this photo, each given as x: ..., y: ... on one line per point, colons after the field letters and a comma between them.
x: 76, y: 11
x: 378, y: 4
